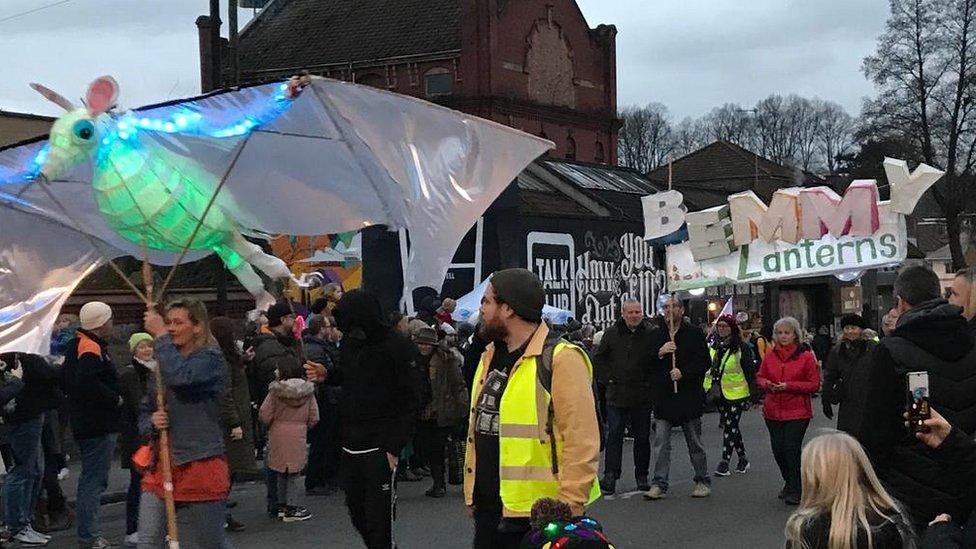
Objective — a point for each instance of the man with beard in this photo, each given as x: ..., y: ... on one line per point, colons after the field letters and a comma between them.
x: 533, y: 429
x: 276, y: 350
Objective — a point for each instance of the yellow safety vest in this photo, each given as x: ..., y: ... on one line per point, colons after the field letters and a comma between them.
x: 734, y: 384
x: 525, y: 453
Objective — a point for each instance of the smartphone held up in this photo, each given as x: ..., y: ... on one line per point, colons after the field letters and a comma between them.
x: 918, y: 403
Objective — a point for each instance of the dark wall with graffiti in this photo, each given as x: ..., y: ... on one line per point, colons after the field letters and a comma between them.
x: 591, y: 272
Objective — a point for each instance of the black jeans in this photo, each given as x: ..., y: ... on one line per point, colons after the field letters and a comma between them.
x: 640, y: 427
x: 132, y: 497
x: 370, y: 488
x: 488, y: 535
x: 786, y: 438
x: 324, y: 451
x: 432, y: 440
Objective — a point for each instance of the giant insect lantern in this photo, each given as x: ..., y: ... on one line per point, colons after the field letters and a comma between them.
x: 191, y: 177
x: 147, y: 194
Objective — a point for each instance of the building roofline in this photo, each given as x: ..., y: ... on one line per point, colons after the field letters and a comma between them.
x: 28, y: 116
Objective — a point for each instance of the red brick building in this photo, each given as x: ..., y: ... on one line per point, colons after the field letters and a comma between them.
x: 535, y: 65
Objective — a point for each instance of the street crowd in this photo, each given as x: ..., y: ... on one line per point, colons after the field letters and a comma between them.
x: 345, y: 398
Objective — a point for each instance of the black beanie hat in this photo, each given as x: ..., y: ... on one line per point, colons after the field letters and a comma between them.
x: 276, y: 313
x: 852, y: 320
x: 522, y: 290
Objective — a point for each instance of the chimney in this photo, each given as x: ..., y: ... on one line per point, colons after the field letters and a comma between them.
x: 206, y: 53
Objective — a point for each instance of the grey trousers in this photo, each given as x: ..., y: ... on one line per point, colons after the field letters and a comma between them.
x: 289, y: 485
x: 200, y: 524
x: 662, y: 451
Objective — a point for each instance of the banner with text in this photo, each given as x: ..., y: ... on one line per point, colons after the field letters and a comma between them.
x: 762, y: 261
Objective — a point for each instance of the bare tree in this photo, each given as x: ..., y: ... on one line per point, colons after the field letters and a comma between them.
x: 925, y: 72
x: 645, y: 137
x: 689, y: 136
x: 730, y: 122
x: 835, y: 133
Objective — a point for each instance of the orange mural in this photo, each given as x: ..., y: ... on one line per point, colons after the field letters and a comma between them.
x: 338, y: 257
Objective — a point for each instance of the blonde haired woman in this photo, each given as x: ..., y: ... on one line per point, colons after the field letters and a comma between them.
x: 844, y: 505
x: 789, y: 374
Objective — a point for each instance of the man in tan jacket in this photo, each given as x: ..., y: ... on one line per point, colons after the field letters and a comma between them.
x: 525, y: 441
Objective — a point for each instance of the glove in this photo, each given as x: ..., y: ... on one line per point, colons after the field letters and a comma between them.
x: 828, y: 410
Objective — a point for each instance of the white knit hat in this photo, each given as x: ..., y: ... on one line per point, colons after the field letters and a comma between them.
x: 94, y: 315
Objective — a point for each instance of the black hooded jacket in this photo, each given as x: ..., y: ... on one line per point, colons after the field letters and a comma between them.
x: 379, y: 400
x: 932, y: 337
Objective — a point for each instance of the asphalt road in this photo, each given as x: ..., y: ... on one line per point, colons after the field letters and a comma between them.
x: 743, y: 510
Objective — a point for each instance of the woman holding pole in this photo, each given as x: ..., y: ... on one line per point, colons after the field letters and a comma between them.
x: 192, y: 369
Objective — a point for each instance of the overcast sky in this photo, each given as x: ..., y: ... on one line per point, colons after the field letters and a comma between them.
x: 691, y: 55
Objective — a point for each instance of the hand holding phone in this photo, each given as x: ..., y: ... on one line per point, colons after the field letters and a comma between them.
x: 918, y: 401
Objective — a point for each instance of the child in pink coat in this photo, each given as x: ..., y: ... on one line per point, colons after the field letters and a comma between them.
x: 288, y: 411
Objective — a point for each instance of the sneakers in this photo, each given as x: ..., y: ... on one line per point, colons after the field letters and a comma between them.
x: 97, y: 543
x: 296, y: 514
x: 701, y: 490
x: 743, y: 466
x: 232, y: 525
x: 642, y: 484
x: 131, y: 540
x: 608, y: 486
x: 791, y: 499
x: 655, y: 493
x: 28, y: 536
x: 723, y: 469
x: 406, y: 475
x: 436, y: 492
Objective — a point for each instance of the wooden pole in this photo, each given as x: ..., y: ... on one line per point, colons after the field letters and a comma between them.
x: 165, y: 459
x: 674, y: 355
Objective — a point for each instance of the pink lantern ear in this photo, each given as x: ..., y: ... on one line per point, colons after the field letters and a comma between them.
x: 102, y: 94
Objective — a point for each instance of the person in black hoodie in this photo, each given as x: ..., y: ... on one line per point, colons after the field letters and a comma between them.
x: 622, y: 363
x: 845, y: 374
x: 24, y: 416
x: 376, y: 410
x: 931, y: 336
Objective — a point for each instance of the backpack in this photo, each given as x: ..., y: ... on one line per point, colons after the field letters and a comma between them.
x: 544, y: 374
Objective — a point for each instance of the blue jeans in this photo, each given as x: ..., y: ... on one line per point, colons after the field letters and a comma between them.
x: 200, y: 524
x: 96, y: 459
x: 22, y: 485
x: 640, y: 427
x: 271, y: 483
x: 662, y: 451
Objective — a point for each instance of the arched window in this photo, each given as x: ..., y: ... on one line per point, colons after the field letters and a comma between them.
x: 599, y: 156
x: 371, y: 79
x: 438, y: 82
x: 570, y: 148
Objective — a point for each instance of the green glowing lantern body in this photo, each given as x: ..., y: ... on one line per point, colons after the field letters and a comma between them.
x: 147, y: 194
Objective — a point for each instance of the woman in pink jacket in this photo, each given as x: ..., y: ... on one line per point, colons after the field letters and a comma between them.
x: 288, y: 411
x: 789, y: 374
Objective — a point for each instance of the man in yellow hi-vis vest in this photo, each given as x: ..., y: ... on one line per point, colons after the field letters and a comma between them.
x: 526, y: 442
